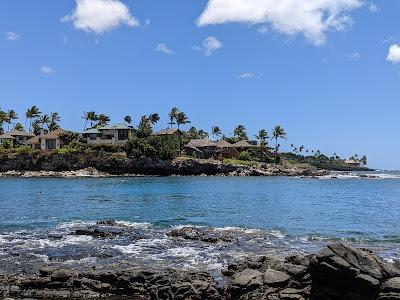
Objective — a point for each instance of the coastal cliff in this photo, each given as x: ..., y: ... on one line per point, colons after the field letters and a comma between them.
x: 53, y: 165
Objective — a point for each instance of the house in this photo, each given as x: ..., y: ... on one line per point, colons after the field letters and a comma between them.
x: 48, y: 141
x: 206, y: 148
x: 200, y: 148
x: 244, y: 145
x: 226, y: 150
x: 7, y: 139
x: 168, y: 132
x: 352, y: 162
x: 21, y: 137
x: 117, y: 134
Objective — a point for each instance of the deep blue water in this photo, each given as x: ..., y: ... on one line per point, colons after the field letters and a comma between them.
x: 296, y: 206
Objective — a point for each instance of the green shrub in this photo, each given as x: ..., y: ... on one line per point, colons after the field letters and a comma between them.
x: 245, y: 155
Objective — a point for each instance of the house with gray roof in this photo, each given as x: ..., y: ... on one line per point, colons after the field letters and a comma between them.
x: 117, y: 134
x: 6, y: 139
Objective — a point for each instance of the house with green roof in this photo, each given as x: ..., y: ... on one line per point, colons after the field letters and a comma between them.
x: 117, y: 134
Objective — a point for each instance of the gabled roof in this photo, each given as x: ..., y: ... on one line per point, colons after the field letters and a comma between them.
x: 16, y: 132
x: 34, y: 140
x: 167, y: 131
x: 117, y: 126
x: 91, y: 131
x: 243, y: 144
x: 6, y: 136
x: 53, y: 134
x: 200, y: 143
x: 223, y: 144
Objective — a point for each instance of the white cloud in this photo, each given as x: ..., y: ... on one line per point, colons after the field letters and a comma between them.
x: 373, y: 7
x: 263, y: 29
x: 164, y: 49
x: 12, y: 36
x: 248, y: 75
x: 100, y: 16
x: 312, y: 18
x: 210, y: 45
x: 47, y: 70
x: 394, y: 54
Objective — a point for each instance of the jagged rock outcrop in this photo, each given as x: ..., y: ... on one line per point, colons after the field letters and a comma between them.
x: 338, y: 272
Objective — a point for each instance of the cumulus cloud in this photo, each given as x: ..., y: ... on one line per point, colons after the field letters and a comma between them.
x: 47, y: 70
x: 210, y: 45
x: 312, y: 18
x: 12, y: 36
x: 263, y: 29
x: 100, y: 16
x: 164, y: 49
x: 394, y: 54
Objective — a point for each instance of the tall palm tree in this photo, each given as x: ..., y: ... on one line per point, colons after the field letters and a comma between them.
x: 216, y: 131
x: 262, y: 136
x: 128, y: 119
x: 3, y: 118
x: 32, y: 113
x: 54, y: 119
x: 278, y: 133
x: 19, y: 126
x: 144, y: 127
x: 92, y: 117
x: 103, y: 120
x: 173, y: 114
x: 154, y: 118
x: 45, y: 119
x: 182, y: 119
x: 86, y: 118
x: 202, y: 134
x: 240, y: 133
x: 11, y: 115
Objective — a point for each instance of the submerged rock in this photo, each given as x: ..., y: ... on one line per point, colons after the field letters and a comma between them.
x: 204, y: 234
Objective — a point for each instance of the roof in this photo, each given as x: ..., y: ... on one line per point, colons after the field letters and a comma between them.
x: 200, y: 143
x: 53, y: 134
x: 352, y: 162
x: 16, y: 132
x: 223, y: 144
x: 34, y: 140
x: 91, y: 131
x: 6, y: 136
x: 243, y: 144
x: 118, y: 126
x: 167, y: 131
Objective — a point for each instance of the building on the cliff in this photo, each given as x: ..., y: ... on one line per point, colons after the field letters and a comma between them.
x: 117, y: 134
x: 48, y: 141
x: 7, y: 139
x: 244, y: 145
x: 352, y: 162
x: 206, y: 148
x: 168, y: 132
x: 21, y: 137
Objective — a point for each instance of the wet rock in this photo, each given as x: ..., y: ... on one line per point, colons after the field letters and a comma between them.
x: 207, y: 235
x: 275, y: 278
x: 98, y: 232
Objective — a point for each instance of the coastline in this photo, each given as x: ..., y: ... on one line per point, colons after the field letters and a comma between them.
x: 336, y: 271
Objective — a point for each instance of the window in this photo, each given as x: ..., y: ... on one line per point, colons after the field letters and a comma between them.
x: 123, y: 134
x: 50, y: 144
x: 93, y: 136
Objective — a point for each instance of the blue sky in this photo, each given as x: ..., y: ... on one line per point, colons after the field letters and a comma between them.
x: 333, y: 82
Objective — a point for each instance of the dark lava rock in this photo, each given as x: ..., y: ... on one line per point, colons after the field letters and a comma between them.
x: 203, y: 234
x: 108, y: 223
x: 99, y: 232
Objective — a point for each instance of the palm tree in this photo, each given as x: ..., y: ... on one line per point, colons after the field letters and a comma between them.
x: 278, y: 133
x: 154, y: 118
x: 262, y: 136
x: 182, y: 119
x: 45, y: 119
x: 92, y: 117
x: 364, y: 160
x: 144, y: 127
x: 202, y: 134
x: 216, y: 131
x: 32, y: 113
x: 54, y: 119
x: 173, y: 114
x: 86, y: 118
x: 19, y: 127
x: 240, y: 133
x: 3, y: 118
x: 128, y: 119
x: 11, y: 115
x: 103, y: 120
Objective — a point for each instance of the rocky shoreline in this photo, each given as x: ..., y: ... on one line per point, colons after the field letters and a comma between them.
x: 177, y: 167
x: 337, y: 272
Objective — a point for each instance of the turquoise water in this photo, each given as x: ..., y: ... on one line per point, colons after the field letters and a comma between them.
x: 291, y: 213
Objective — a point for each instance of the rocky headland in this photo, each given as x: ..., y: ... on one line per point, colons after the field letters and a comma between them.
x: 337, y: 272
x: 80, y: 166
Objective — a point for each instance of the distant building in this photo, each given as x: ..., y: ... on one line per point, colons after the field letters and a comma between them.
x: 245, y: 145
x: 352, y: 162
x: 20, y: 136
x: 168, y: 132
x: 8, y: 139
x: 206, y: 148
x: 48, y: 141
x: 117, y: 134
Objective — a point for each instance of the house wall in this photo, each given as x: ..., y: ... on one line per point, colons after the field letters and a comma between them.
x: 43, y: 144
x: 101, y: 140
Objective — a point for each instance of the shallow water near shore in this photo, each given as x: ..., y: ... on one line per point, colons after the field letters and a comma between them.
x: 265, y: 215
